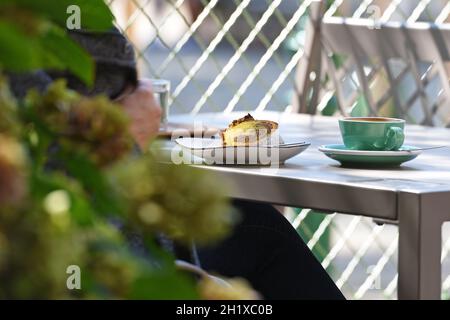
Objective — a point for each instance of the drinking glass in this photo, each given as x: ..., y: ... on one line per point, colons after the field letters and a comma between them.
x: 161, y: 90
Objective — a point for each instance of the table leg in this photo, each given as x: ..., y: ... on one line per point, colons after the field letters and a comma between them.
x: 419, y: 263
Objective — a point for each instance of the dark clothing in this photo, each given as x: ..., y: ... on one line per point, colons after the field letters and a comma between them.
x: 267, y: 251
x: 115, y: 67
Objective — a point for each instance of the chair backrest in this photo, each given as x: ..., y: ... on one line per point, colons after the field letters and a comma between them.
x: 360, y: 68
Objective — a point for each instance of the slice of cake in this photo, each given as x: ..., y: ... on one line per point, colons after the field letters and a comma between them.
x: 249, y: 132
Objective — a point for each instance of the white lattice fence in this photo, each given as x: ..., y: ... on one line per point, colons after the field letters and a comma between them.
x: 236, y: 55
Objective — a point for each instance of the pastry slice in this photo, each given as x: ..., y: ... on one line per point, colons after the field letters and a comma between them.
x: 249, y: 132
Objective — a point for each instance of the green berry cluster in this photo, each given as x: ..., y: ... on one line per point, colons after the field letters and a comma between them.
x: 182, y: 202
x: 94, y: 126
x: 51, y: 217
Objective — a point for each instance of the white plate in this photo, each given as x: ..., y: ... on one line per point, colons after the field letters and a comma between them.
x: 212, y: 151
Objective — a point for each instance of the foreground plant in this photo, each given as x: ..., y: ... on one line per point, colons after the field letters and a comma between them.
x: 67, y: 173
x: 71, y: 183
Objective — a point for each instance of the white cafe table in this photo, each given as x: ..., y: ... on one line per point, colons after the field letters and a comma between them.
x: 415, y: 195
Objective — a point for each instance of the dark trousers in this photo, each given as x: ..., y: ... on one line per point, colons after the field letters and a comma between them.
x: 267, y: 251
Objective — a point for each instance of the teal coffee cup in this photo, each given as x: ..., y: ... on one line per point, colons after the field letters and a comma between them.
x: 372, y: 133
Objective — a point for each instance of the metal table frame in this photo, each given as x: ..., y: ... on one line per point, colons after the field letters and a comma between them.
x: 419, y: 207
x: 419, y: 217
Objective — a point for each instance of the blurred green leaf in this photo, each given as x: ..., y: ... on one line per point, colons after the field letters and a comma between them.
x: 95, y: 14
x: 69, y: 53
x: 40, y: 44
x: 164, y: 284
x: 331, y: 107
x: 338, y: 60
x: 104, y: 198
x: 53, y: 49
x: 361, y: 108
x: 17, y: 53
x: 44, y: 183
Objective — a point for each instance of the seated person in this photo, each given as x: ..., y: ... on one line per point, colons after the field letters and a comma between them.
x: 264, y: 248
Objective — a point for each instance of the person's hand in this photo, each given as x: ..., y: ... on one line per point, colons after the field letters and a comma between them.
x: 144, y: 112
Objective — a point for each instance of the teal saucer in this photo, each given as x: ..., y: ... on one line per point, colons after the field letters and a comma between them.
x: 372, y: 159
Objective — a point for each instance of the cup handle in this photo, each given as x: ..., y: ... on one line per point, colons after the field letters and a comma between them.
x: 394, y: 138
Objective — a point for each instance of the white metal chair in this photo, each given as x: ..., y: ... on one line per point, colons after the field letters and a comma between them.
x: 389, y: 69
